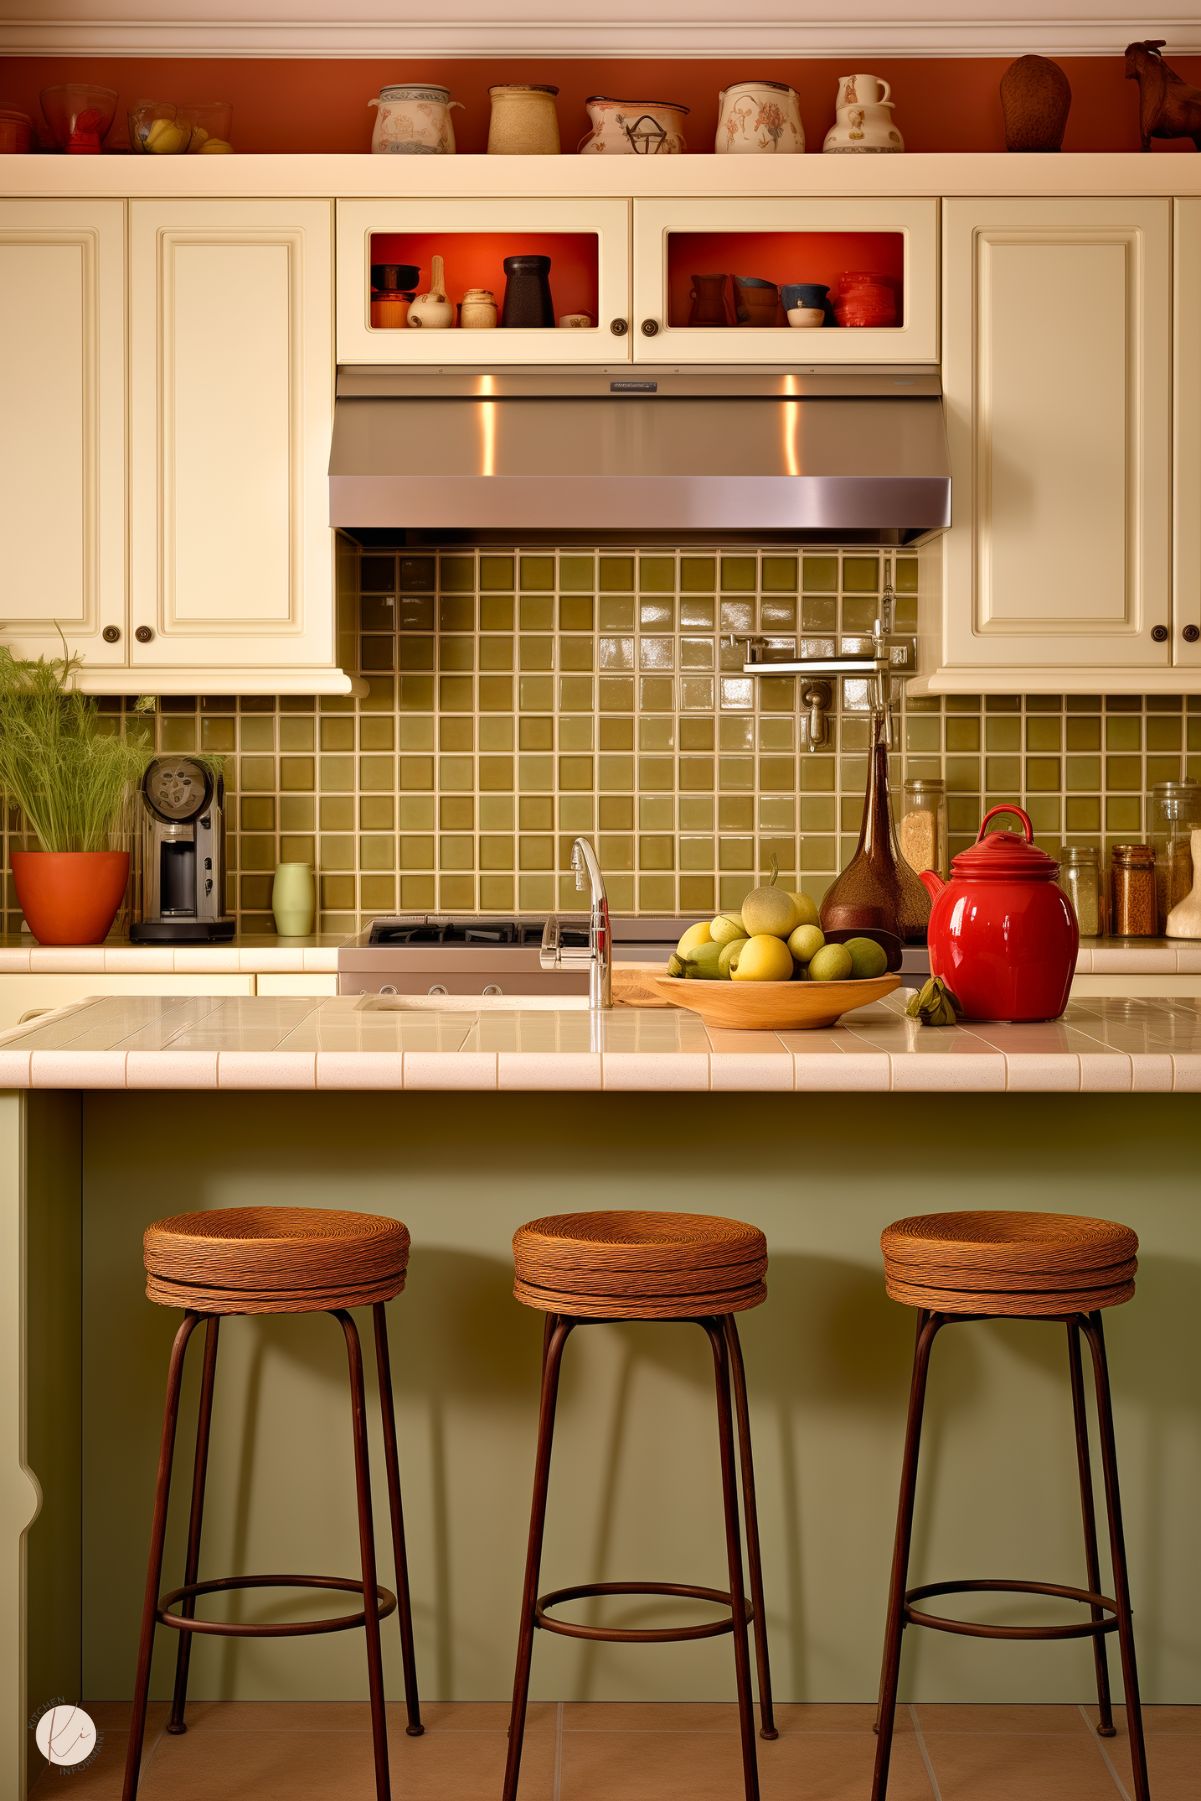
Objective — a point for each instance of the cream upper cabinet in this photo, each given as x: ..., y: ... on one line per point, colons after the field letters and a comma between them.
x: 62, y: 450
x: 231, y: 412
x: 1056, y: 360
x: 782, y: 240
x: 587, y: 241
x: 1187, y: 415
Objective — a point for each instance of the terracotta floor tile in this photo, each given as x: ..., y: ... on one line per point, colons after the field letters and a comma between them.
x: 1162, y: 1719
x: 1050, y: 1766
x: 317, y: 1766
x: 675, y: 1766
x: 1173, y: 1737
x: 718, y: 1716
x: 101, y: 1780
x: 355, y: 1716
x: 1019, y: 1717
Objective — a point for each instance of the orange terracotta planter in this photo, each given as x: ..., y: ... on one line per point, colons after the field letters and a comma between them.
x: 70, y: 897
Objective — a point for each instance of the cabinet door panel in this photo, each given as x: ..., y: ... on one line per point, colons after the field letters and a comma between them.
x: 1056, y: 329
x: 231, y: 413
x: 1187, y: 414
x: 62, y: 452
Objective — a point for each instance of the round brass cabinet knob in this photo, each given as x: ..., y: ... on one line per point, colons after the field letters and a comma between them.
x: 1159, y: 634
x: 111, y: 634
x: 619, y: 327
x: 1191, y: 633
x: 650, y: 328
x: 144, y: 634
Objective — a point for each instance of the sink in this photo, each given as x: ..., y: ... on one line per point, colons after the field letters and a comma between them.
x: 474, y: 1003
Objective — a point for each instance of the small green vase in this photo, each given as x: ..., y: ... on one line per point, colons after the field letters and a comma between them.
x: 294, y: 900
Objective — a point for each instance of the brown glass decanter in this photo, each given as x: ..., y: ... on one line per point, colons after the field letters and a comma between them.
x: 877, y: 894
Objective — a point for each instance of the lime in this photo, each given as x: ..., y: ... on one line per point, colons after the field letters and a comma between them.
x: 831, y: 964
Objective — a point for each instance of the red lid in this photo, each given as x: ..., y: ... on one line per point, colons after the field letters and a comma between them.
x: 1005, y: 855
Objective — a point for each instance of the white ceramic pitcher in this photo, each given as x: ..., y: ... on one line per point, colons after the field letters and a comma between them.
x: 413, y: 119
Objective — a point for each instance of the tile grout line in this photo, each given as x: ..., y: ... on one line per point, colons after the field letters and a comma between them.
x: 1100, y: 1745
x: 557, y: 1784
x: 924, y: 1753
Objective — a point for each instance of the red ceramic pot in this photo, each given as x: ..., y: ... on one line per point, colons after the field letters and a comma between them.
x: 1003, y: 935
x: 71, y: 896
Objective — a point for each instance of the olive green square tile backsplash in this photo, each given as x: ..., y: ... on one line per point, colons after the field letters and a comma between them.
x: 519, y: 697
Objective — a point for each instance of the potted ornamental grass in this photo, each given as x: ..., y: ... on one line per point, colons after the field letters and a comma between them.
x: 70, y: 774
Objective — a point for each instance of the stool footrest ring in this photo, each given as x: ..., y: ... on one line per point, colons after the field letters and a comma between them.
x: 981, y: 1629
x: 282, y: 1629
x: 617, y: 1635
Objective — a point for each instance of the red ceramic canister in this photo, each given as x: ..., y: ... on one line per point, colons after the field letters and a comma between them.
x: 1003, y: 934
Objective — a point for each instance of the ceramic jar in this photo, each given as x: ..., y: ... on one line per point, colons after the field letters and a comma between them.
x: 524, y: 121
x: 413, y: 119
x: 759, y: 116
x: 478, y: 310
x: 756, y: 302
x: 864, y: 128
x: 862, y: 90
x: 634, y: 127
x: 528, y: 302
x: 710, y: 298
x: 865, y: 299
x: 433, y: 310
x: 294, y: 899
x: 1003, y: 935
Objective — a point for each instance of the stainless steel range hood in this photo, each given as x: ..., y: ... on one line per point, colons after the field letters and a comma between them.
x: 816, y: 455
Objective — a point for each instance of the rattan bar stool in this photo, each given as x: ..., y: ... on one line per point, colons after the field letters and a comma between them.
x: 583, y: 1269
x: 955, y: 1267
x: 275, y: 1260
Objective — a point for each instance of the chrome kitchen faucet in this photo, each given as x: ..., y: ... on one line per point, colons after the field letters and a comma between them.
x: 598, y: 952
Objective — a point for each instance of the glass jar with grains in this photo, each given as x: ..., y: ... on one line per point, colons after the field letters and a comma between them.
x: 1134, y: 912
x: 923, y: 829
x: 1175, y: 816
x: 1080, y: 878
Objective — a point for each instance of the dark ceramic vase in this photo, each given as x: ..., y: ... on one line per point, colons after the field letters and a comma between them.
x: 527, y: 292
x: 1035, y: 99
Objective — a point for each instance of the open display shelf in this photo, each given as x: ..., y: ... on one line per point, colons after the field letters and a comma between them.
x: 475, y: 259
x: 780, y: 257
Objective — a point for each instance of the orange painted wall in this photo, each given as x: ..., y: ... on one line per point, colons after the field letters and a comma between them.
x: 943, y: 104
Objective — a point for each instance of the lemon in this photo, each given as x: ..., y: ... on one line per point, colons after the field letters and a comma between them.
x: 729, y: 955
x: 831, y: 964
x: 769, y: 912
x: 164, y: 138
x: 805, y: 942
x: 726, y: 927
x: 806, y: 908
x: 868, y: 958
x: 693, y: 938
x: 215, y: 147
x: 763, y: 958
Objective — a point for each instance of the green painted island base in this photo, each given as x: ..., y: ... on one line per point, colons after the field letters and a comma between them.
x: 635, y: 1491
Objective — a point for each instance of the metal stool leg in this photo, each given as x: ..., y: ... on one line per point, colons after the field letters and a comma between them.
x: 556, y: 1332
x: 767, y: 1722
x: 362, y: 1474
x: 1093, y: 1329
x: 404, y: 1606
x: 729, y: 1483
x: 183, y: 1655
x: 154, y: 1563
x: 1088, y: 1514
x: 928, y: 1325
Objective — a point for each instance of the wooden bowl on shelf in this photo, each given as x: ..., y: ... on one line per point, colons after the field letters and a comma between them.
x: 773, y: 1006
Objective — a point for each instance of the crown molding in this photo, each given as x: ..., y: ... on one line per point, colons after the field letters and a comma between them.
x: 675, y: 29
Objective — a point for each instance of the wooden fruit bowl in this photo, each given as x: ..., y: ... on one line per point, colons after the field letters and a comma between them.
x: 773, y: 1006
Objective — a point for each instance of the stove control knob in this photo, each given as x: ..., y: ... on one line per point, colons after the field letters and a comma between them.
x: 493, y: 988
x: 438, y: 988
x: 388, y: 988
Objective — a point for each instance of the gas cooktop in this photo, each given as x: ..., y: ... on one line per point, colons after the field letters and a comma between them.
x: 488, y: 932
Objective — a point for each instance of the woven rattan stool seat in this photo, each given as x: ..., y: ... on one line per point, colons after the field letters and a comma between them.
x: 274, y: 1260
x: 1024, y: 1265
x: 639, y: 1265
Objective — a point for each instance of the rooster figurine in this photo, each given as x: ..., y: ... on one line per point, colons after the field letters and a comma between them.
x: 1168, y: 106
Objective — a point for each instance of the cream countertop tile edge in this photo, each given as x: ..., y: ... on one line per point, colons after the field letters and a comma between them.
x: 266, y: 956
x: 266, y: 1046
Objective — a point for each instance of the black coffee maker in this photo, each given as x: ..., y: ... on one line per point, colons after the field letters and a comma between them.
x: 181, y: 876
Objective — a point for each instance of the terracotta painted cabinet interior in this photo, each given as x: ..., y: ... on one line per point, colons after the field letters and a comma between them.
x: 62, y: 467
x: 231, y: 409
x: 1057, y: 346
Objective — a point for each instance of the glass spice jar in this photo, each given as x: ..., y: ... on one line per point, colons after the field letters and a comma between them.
x: 1134, y: 910
x: 923, y: 827
x: 1080, y: 878
x: 1175, y: 816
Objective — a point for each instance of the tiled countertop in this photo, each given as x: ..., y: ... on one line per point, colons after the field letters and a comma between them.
x: 242, y: 956
x: 267, y: 1044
